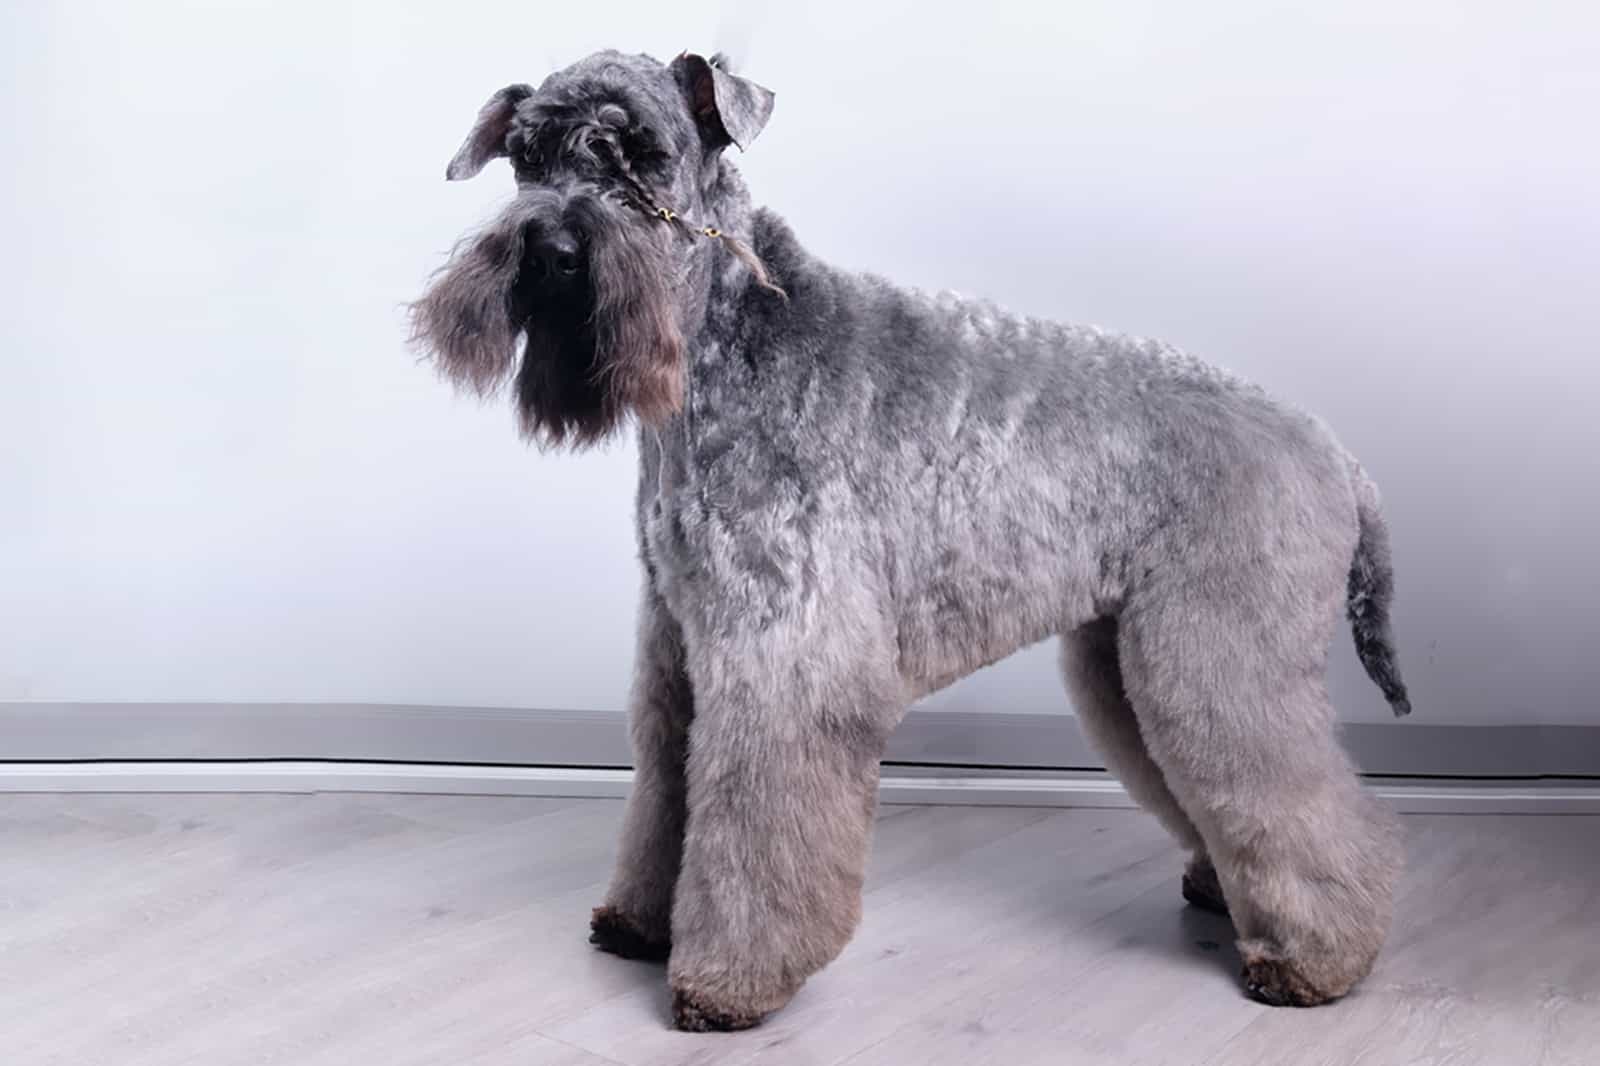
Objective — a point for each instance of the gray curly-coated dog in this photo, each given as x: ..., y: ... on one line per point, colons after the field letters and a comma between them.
x: 851, y: 494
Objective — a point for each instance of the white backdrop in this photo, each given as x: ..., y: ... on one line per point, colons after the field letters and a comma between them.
x: 223, y: 477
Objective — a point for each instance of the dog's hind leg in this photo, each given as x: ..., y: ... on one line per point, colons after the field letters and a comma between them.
x: 1225, y: 672
x: 1094, y: 683
x: 636, y: 919
x: 783, y: 776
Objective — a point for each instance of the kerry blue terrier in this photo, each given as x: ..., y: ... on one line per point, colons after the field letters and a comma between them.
x: 851, y: 494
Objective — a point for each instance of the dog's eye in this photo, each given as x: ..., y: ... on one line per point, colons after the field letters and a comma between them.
x: 641, y: 147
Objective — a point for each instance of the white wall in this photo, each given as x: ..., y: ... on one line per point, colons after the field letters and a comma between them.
x: 223, y: 477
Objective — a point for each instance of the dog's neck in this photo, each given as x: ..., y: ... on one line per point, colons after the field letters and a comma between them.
x: 726, y: 198
x: 730, y: 316
x: 719, y: 282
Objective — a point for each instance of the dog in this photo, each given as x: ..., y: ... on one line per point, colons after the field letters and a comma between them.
x: 851, y: 494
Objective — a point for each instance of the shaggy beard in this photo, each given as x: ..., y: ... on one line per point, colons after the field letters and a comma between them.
x: 588, y: 361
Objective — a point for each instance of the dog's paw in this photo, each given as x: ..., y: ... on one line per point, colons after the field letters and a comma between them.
x: 1277, y: 983
x: 1202, y: 889
x: 693, y: 1015
x: 611, y: 930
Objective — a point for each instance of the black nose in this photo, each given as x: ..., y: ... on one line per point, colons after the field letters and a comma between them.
x: 554, y: 255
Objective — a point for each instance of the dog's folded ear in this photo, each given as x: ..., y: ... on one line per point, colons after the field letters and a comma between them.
x: 488, y: 137
x: 729, y: 109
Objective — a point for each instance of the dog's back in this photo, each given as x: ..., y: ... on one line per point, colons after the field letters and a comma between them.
x: 1029, y: 475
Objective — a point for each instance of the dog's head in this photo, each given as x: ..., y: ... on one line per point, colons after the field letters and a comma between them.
x: 594, y: 269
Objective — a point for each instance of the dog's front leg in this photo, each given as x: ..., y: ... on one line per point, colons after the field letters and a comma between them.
x: 783, y: 775
x: 636, y: 919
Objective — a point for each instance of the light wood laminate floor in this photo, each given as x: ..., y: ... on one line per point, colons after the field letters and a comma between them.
x: 345, y: 930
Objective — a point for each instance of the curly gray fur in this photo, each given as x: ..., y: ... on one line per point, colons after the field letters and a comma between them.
x: 857, y: 494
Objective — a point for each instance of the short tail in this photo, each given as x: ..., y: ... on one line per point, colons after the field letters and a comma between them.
x: 1371, y: 590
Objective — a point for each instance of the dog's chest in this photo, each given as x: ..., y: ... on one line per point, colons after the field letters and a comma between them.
x: 722, y: 529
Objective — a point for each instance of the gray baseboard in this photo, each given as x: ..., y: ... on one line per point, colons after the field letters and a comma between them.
x: 378, y: 733
x: 900, y: 785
